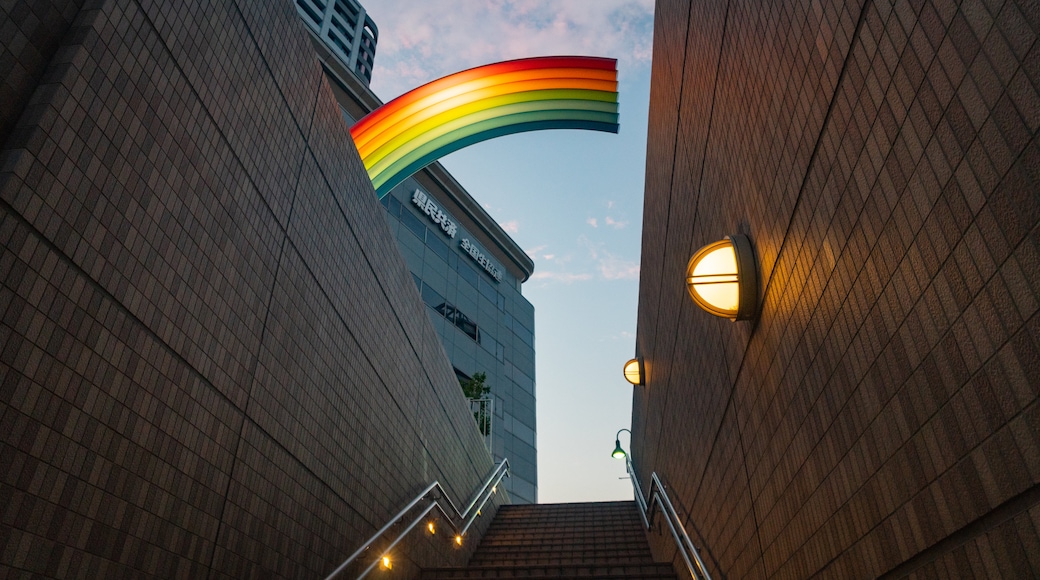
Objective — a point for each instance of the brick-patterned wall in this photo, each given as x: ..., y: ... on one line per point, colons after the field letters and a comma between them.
x: 30, y: 33
x: 882, y: 415
x: 213, y: 361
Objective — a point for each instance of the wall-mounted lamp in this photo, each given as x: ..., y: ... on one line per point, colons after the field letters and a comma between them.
x: 619, y: 453
x: 722, y: 278
x: 634, y: 371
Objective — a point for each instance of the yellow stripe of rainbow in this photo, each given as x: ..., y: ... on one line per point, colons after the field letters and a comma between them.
x: 474, y: 105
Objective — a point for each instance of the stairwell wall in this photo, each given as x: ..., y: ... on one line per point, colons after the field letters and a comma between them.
x: 882, y: 415
x: 213, y: 359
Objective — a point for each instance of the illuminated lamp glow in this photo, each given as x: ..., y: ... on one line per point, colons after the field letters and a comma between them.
x: 722, y: 278
x: 634, y: 371
x: 482, y: 103
x: 618, y: 453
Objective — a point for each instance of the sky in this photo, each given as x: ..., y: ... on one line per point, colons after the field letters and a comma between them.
x: 571, y: 199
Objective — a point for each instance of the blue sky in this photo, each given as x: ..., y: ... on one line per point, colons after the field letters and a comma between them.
x: 571, y: 199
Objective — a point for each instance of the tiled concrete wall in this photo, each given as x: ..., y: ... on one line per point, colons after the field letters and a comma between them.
x: 31, y: 32
x: 213, y: 360
x: 881, y: 416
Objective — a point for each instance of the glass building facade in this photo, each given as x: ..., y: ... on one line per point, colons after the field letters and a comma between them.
x: 485, y: 323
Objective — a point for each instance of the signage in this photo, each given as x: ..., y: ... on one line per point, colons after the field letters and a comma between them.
x: 436, y: 215
x: 450, y: 228
x: 479, y: 257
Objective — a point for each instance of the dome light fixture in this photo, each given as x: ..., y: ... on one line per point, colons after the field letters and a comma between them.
x: 722, y: 278
x: 634, y: 371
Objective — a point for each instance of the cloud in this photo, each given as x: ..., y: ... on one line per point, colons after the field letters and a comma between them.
x: 565, y: 277
x: 533, y: 252
x: 617, y: 225
x: 511, y: 226
x: 623, y: 335
x: 421, y: 41
x: 612, y: 267
x: 549, y: 256
x: 592, y: 222
x: 610, y: 205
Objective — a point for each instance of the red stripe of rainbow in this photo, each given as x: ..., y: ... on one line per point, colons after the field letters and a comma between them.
x: 421, y: 126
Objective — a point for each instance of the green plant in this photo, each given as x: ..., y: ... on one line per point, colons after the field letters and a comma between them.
x: 475, y: 387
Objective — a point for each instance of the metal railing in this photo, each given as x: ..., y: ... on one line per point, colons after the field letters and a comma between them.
x: 484, y: 412
x: 658, y: 495
x: 460, y: 522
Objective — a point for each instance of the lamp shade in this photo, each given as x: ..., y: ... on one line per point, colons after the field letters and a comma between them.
x: 634, y: 371
x: 722, y: 278
x: 618, y: 453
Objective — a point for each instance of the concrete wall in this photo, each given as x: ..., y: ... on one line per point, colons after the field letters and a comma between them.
x: 881, y: 416
x: 214, y: 361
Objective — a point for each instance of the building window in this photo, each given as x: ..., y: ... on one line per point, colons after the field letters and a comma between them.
x: 393, y: 206
x: 438, y: 247
x: 468, y: 274
x: 314, y: 20
x: 434, y: 300
x: 489, y: 292
x: 523, y: 333
x: 412, y: 223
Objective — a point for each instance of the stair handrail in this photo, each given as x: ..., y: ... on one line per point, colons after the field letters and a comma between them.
x: 658, y: 495
x: 465, y: 518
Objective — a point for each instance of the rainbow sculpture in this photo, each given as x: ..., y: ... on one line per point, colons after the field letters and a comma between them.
x: 421, y: 126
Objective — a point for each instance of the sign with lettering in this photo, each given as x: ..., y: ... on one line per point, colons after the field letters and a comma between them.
x: 436, y: 215
x: 429, y: 207
x: 479, y: 257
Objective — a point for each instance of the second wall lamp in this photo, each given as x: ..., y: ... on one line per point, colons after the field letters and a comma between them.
x: 634, y: 371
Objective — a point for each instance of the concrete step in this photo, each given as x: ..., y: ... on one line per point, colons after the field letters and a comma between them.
x: 566, y: 560
x: 629, y: 538
x: 589, y: 571
x: 612, y: 553
x: 589, y: 540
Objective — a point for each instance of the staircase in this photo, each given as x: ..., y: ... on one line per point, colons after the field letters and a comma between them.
x: 576, y: 540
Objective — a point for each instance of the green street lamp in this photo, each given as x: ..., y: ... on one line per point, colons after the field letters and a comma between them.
x: 619, y: 453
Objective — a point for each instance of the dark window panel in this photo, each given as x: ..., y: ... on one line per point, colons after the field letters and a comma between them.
x: 468, y: 274
x: 438, y: 247
x: 413, y: 224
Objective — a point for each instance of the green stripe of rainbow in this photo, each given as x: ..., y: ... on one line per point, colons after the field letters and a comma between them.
x: 421, y: 126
